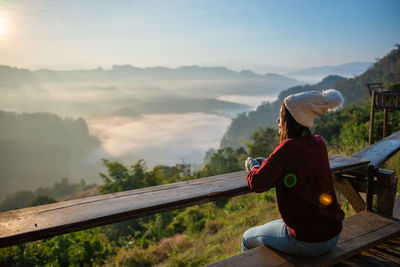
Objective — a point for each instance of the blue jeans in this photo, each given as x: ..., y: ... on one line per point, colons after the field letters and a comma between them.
x: 275, y: 234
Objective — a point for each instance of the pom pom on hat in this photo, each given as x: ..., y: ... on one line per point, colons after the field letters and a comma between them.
x: 334, y: 99
x: 305, y: 106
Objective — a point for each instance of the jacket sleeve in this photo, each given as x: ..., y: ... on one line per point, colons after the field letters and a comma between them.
x: 263, y: 178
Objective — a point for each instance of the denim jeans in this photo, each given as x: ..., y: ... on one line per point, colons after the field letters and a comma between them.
x: 275, y: 234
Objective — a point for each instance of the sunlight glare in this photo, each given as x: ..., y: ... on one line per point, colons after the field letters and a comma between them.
x: 2, y: 25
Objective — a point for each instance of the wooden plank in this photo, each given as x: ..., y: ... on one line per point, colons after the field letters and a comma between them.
x: 385, y: 254
x: 35, y: 223
x: 390, y: 247
x: 381, y: 151
x: 349, y: 192
x: 385, y: 177
x: 40, y: 222
x: 387, y: 258
x: 370, y: 259
x: 361, y: 231
x: 341, y: 164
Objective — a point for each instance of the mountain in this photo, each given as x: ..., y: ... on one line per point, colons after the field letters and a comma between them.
x: 245, y: 124
x: 15, y: 77
x: 178, y: 105
x: 127, y: 112
x: 385, y: 70
x: 27, y: 77
x: 100, y: 92
x: 38, y: 148
x: 347, y: 70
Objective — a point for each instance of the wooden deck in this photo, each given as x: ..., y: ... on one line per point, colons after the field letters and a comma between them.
x: 386, y: 254
x: 362, y: 231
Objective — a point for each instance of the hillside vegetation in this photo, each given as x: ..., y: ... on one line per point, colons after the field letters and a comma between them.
x: 242, y: 127
x: 385, y: 70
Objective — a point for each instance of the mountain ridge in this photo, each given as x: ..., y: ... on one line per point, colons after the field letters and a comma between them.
x: 386, y: 70
x: 127, y: 69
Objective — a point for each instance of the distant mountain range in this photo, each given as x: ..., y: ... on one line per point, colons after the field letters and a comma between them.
x: 15, y: 76
x: 99, y: 92
x: 315, y: 74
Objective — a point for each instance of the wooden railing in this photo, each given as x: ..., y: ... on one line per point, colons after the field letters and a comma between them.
x: 34, y: 223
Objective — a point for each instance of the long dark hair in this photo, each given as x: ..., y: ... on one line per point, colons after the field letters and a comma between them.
x: 290, y: 128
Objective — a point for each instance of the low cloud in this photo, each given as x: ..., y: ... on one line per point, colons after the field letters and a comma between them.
x: 160, y: 139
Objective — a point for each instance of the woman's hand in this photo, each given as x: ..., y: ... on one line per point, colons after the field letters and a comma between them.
x: 260, y: 160
x: 251, y: 163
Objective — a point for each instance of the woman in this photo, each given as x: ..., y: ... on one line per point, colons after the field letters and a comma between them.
x: 299, y: 170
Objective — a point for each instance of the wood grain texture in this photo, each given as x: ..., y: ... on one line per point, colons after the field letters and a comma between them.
x: 386, y: 199
x: 361, y: 231
x: 40, y: 222
x: 354, y: 198
x: 385, y: 254
x: 381, y: 151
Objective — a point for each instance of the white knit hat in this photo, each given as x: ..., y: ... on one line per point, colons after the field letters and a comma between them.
x: 305, y: 106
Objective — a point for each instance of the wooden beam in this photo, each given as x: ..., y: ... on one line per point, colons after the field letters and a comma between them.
x: 349, y: 192
x: 385, y: 177
x: 340, y: 164
x: 29, y: 224
x: 381, y: 151
x: 371, y: 119
x: 385, y: 187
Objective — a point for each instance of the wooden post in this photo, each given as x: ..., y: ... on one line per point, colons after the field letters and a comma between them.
x: 371, y: 119
x: 370, y: 186
x: 385, y: 122
x: 387, y: 183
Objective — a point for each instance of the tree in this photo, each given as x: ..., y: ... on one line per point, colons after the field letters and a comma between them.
x: 42, y: 200
x: 121, y: 178
x: 225, y: 160
x: 263, y: 142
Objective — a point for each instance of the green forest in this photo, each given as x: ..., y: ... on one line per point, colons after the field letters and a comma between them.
x: 208, y: 232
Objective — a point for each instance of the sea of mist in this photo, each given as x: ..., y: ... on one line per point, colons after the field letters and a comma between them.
x: 166, y: 138
x: 164, y: 116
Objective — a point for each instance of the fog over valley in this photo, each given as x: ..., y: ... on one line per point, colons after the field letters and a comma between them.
x: 161, y: 138
x: 63, y: 123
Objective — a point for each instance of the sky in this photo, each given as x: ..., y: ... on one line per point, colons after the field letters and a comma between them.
x: 271, y: 36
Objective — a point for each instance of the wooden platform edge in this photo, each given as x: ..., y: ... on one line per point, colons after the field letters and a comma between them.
x: 264, y: 256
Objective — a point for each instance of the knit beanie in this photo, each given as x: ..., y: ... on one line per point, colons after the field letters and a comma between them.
x: 305, y: 106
